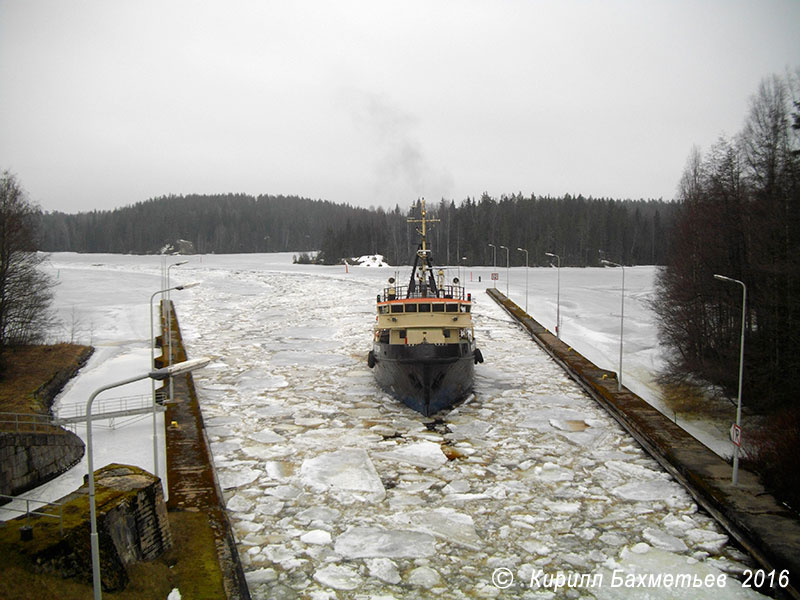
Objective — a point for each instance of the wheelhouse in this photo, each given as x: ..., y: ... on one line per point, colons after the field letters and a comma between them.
x: 419, y: 316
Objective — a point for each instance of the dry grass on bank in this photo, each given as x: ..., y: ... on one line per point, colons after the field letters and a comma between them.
x: 771, y: 443
x: 693, y: 401
x: 27, y: 369
x: 191, y: 566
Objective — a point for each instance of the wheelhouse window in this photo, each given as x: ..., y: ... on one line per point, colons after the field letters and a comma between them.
x: 438, y: 308
x: 397, y: 308
x: 383, y: 309
x: 411, y: 308
x: 453, y: 307
x: 425, y: 307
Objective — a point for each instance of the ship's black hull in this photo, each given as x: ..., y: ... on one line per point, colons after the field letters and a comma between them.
x: 425, y: 377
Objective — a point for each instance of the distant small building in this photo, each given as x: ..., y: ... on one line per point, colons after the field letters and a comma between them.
x: 178, y: 247
x: 185, y: 247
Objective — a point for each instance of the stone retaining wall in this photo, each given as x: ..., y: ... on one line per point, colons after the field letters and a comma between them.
x: 28, y: 460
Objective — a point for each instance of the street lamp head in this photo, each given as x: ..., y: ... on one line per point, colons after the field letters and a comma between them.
x: 492, y: 245
x: 549, y: 254
x: 187, y: 285
x: 179, y: 368
x: 522, y: 249
x: 504, y: 247
x: 179, y: 263
x: 722, y: 278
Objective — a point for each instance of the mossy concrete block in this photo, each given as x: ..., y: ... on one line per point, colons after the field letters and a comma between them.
x: 132, y: 526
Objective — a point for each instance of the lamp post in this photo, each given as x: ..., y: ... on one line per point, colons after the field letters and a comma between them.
x: 494, y: 261
x: 177, y: 264
x: 621, y: 320
x: 169, y: 321
x: 507, y: 271
x: 152, y: 366
x: 526, y: 277
x: 157, y: 374
x: 558, y: 292
x: 735, y: 477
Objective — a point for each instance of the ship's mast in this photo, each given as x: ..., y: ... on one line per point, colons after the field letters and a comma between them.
x: 423, y: 253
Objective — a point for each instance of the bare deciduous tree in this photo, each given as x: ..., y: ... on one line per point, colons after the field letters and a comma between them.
x: 25, y: 291
x: 740, y: 217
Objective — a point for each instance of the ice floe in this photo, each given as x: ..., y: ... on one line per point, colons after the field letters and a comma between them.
x: 658, y: 563
x: 349, y: 470
x: 445, y: 523
x: 427, y: 455
x: 338, y: 577
x: 384, y: 569
x: 374, y: 542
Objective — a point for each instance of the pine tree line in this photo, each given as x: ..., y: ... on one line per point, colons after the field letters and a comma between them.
x: 576, y: 228
x: 230, y: 223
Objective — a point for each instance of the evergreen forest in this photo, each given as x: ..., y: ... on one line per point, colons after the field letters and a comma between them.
x: 578, y: 229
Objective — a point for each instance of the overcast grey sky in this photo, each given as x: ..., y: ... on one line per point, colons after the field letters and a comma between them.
x: 105, y: 103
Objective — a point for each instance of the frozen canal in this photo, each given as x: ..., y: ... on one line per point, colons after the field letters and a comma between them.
x: 337, y: 491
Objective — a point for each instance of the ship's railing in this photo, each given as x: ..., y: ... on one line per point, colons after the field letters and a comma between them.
x: 455, y: 292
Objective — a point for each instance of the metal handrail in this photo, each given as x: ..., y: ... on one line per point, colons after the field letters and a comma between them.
x: 108, y: 408
x: 28, y: 512
x: 449, y: 292
x: 27, y: 423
